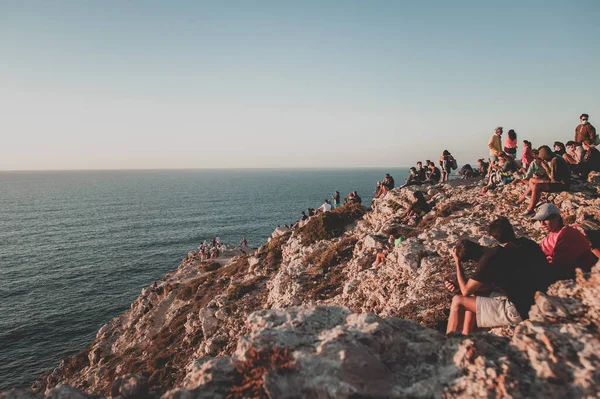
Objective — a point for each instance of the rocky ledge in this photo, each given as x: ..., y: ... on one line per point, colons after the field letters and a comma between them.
x: 306, y: 316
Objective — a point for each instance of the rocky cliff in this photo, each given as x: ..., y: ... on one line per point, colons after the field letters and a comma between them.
x: 306, y: 316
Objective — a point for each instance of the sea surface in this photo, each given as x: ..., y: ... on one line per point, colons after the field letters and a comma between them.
x: 77, y: 247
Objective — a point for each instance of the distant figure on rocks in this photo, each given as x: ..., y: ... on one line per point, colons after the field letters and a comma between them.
x: 483, y: 167
x: 447, y: 163
x: 416, y: 210
x: 434, y: 174
x: 336, y: 199
x: 394, y: 241
x: 560, y: 178
x: 304, y: 217
x: 590, y: 161
x: 585, y: 131
x: 466, y: 171
x: 526, y: 156
x: 421, y: 172
x: 510, y: 144
x: 559, y: 148
x: 326, y: 207
x: 413, y: 178
x: 566, y: 248
x: 354, y: 197
x: 495, y: 144
x: 244, y: 242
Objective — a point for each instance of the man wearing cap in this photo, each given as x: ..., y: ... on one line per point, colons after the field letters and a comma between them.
x: 565, y: 247
x: 585, y: 130
x: 495, y: 144
x: 558, y: 172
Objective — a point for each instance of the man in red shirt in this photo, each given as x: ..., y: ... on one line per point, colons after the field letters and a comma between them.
x: 565, y: 247
x: 585, y: 130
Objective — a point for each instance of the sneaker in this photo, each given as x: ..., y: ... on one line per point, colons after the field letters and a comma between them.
x: 514, y: 204
x: 528, y: 213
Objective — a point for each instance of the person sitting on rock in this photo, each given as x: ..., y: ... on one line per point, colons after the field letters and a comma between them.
x: 483, y: 167
x: 565, y: 247
x: 559, y: 148
x: 413, y: 178
x: 466, y: 171
x: 354, y: 197
x: 590, y: 161
x: 416, y: 210
x: 574, y: 154
x: 421, y: 171
x: 498, y: 267
x: 394, y: 241
x: 535, y: 170
x: 560, y: 178
x: 326, y: 207
x: 434, y: 175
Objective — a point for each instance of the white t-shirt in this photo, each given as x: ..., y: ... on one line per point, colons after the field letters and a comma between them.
x: 325, y: 207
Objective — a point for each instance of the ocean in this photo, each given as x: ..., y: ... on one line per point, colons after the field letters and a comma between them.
x: 77, y: 247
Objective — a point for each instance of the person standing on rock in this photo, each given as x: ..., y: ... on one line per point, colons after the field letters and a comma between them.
x: 336, y: 199
x: 495, y: 144
x: 585, y: 130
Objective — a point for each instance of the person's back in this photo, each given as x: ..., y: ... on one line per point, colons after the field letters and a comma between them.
x: 561, y: 173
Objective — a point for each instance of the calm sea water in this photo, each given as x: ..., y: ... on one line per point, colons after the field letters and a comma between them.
x: 77, y: 247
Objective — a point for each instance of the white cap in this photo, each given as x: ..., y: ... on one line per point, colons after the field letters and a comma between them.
x: 545, y: 211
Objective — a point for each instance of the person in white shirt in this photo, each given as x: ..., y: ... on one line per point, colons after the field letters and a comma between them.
x: 326, y: 207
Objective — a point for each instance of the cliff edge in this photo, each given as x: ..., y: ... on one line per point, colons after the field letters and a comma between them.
x: 306, y: 316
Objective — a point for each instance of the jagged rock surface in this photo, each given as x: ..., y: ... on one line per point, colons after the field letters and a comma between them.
x: 184, y: 334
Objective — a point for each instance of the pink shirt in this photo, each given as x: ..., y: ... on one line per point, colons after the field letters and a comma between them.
x: 526, y: 157
x: 508, y: 143
x: 568, y: 249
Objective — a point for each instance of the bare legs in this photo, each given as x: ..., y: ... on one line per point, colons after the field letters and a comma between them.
x: 462, y: 315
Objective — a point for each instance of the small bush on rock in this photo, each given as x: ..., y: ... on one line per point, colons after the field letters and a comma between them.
x: 330, y: 224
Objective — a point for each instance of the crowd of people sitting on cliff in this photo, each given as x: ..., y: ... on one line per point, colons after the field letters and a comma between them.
x: 502, y: 289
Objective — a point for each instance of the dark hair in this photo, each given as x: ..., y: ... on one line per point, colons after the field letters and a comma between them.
x: 588, y: 142
x: 570, y: 143
x: 413, y: 169
x: 512, y: 134
x: 446, y: 152
x: 418, y: 195
x: 502, y: 230
x: 535, y: 151
x: 559, y: 145
x: 527, y: 143
x: 468, y: 250
x: 546, y: 153
x: 419, y: 162
x: 582, y: 115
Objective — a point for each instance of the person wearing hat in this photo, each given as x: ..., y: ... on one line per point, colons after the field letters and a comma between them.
x: 495, y: 144
x: 558, y: 172
x: 565, y: 247
x: 585, y: 130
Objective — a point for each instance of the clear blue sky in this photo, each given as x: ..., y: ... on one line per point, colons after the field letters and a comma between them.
x: 193, y: 84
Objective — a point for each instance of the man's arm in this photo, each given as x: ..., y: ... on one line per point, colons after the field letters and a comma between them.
x: 466, y: 287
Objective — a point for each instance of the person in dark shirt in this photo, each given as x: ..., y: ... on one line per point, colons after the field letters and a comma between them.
x: 356, y: 197
x: 590, y: 161
x: 504, y: 270
x: 336, y: 199
x: 557, y: 170
x: 413, y: 178
x: 434, y: 175
x: 417, y: 209
x: 421, y: 172
x: 559, y: 148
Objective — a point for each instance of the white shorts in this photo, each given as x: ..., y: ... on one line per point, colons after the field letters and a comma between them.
x: 496, y: 311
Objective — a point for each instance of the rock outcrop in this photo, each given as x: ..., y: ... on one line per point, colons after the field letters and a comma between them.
x: 306, y: 316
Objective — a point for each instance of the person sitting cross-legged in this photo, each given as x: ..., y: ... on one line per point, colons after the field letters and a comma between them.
x: 498, y: 267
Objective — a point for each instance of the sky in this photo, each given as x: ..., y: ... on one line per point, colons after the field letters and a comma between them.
x: 234, y: 84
